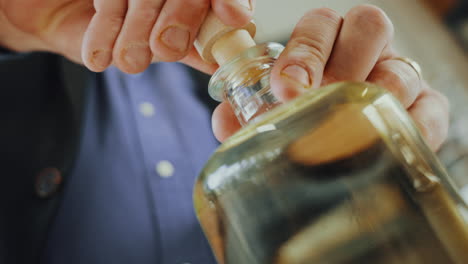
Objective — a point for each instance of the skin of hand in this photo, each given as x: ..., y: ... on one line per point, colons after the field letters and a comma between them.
x: 129, y: 34
x: 326, y: 48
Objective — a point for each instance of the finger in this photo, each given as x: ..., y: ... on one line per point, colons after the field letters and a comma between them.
x: 194, y: 60
x: 236, y: 13
x: 365, y: 34
x: 132, y: 53
x: 177, y: 26
x: 301, y: 64
x: 102, y: 33
x: 399, y: 78
x: 224, y: 122
x: 431, y: 114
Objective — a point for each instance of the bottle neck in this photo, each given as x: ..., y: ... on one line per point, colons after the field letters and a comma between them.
x: 245, y: 82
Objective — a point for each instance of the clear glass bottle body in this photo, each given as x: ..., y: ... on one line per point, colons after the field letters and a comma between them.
x: 339, y: 175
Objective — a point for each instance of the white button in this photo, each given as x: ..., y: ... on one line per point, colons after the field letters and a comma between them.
x: 165, y: 169
x: 147, y: 109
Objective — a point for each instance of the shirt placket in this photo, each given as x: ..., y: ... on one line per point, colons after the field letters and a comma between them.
x: 168, y: 168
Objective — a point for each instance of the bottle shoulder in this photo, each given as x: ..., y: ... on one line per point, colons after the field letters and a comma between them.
x: 324, y: 126
x: 329, y: 121
x: 306, y: 108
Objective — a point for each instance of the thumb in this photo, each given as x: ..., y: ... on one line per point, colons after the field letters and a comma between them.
x: 66, y: 29
x: 14, y: 39
x: 301, y: 64
x: 59, y: 27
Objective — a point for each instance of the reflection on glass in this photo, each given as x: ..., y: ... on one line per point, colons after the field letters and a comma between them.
x: 339, y: 175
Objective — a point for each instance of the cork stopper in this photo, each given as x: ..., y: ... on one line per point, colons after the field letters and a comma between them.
x: 217, y: 43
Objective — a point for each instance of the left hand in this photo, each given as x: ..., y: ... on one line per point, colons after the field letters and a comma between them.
x: 326, y: 48
x: 129, y: 34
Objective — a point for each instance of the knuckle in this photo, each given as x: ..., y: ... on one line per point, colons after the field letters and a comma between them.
x: 436, y: 130
x: 148, y: 4
x: 329, y: 19
x: 428, y: 127
x: 398, y: 86
x: 195, y: 6
x: 433, y: 119
x: 327, y: 13
x: 311, y: 49
x: 230, y: 14
x: 441, y: 98
x: 105, y: 6
x: 393, y: 81
x: 432, y: 123
x: 147, y: 10
x: 406, y: 84
x: 115, y: 19
x: 370, y: 12
x: 145, y: 17
x: 372, y: 18
x: 190, y: 14
x: 115, y: 22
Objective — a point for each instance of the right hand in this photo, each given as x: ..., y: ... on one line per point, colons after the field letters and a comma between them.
x: 327, y: 48
x: 127, y: 33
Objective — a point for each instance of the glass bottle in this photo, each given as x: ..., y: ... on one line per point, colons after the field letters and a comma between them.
x: 338, y: 175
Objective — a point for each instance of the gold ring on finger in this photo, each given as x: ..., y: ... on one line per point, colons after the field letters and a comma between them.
x: 413, y: 64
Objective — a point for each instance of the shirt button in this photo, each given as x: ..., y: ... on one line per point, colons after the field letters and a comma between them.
x: 146, y: 109
x: 48, y: 182
x: 165, y: 169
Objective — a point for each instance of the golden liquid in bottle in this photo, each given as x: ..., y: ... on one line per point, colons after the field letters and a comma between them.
x: 331, y: 178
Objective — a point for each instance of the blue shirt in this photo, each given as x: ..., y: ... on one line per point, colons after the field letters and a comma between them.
x: 129, y: 197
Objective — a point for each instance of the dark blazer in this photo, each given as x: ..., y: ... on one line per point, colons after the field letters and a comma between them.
x: 43, y: 97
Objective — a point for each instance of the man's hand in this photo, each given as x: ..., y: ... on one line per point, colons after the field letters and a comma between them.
x: 327, y: 48
x: 127, y: 33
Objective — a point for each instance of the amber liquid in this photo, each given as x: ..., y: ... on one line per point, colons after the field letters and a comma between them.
x: 328, y: 214
x: 322, y: 181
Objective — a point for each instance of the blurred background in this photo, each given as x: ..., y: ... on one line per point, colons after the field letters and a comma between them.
x: 432, y: 32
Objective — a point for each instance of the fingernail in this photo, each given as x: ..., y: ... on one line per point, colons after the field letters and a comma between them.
x: 245, y: 3
x: 136, y: 56
x: 176, y: 38
x: 100, y: 58
x: 297, y: 74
